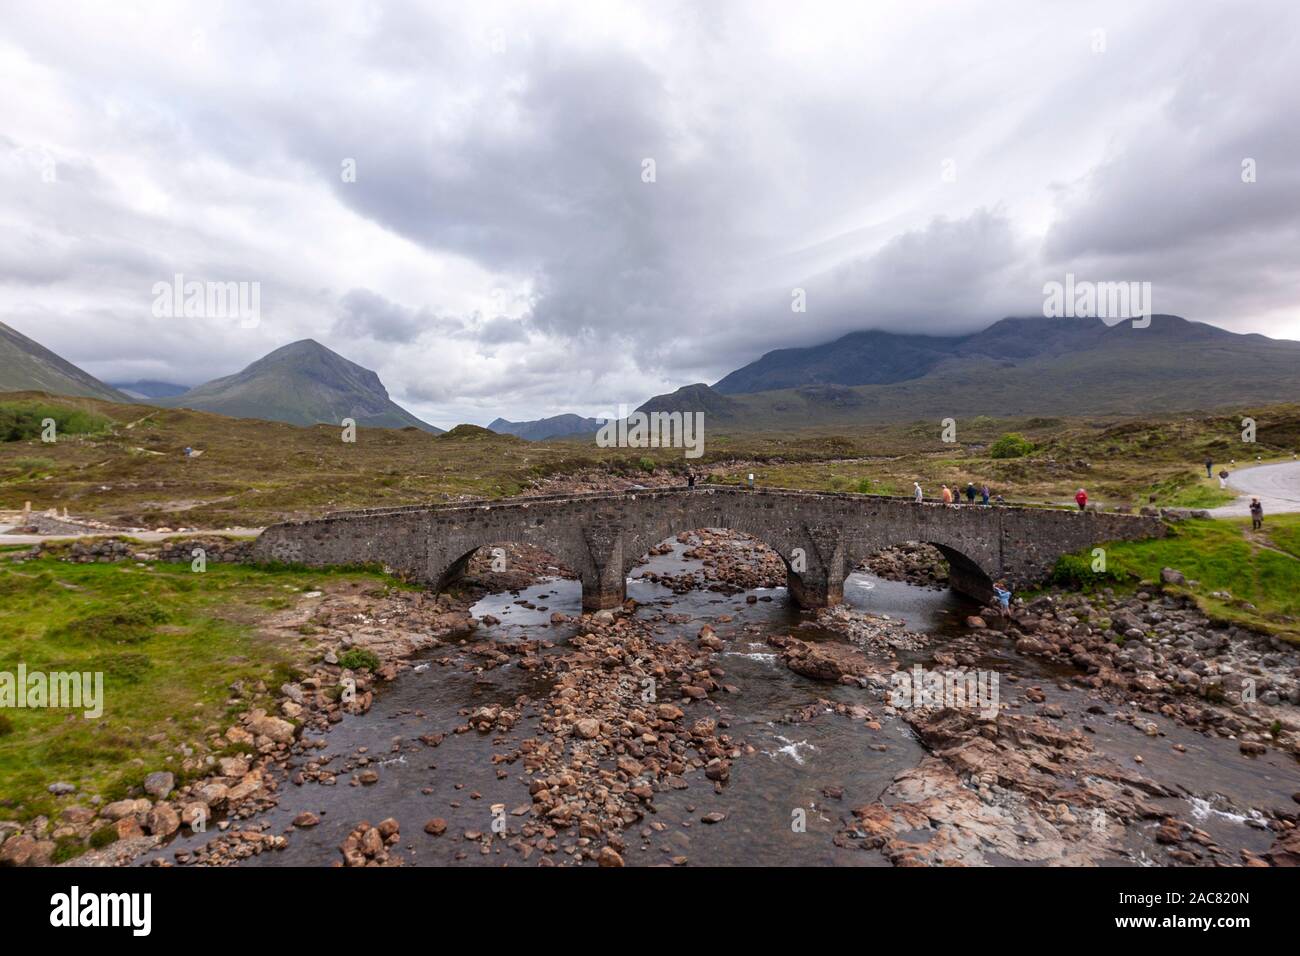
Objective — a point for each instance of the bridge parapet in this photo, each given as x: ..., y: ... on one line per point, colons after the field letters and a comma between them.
x: 820, y: 536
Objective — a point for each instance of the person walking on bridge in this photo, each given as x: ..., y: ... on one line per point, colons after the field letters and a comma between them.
x: 970, y: 492
x: 917, y: 496
x: 947, y: 495
x: 1081, y: 499
x: 984, y: 494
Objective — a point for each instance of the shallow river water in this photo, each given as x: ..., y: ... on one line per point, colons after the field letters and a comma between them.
x: 793, y: 762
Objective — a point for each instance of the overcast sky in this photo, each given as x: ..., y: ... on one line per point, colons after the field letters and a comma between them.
x: 913, y: 166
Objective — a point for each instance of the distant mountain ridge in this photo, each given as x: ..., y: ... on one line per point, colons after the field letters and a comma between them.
x: 1016, y: 366
x: 303, y: 383
x: 882, y: 358
x: 29, y: 366
x: 148, y: 388
x: 543, y: 428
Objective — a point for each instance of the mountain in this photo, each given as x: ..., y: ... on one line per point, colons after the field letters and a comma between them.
x: 882, y: 358
x: 147, y: 388
x: 302, y: 383
x: 1017, y: 366
x: 27, y: 366
x: 695, y: 398
x: 859, y: 358
x: 544, y: 428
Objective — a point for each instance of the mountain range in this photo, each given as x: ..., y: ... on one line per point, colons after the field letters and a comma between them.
x: 146, y: 389
x: 1015, y: 367
x: 303, y: 383
x: 554, y: 427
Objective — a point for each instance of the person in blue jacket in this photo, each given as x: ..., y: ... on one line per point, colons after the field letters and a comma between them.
x: 1004, y: 598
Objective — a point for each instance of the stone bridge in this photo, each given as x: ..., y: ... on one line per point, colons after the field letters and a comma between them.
x: 820, y: 537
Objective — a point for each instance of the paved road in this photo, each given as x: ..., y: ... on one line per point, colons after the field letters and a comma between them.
x: 1276, y: 486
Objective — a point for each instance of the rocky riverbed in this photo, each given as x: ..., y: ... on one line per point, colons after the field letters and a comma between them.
x: 708, y: 722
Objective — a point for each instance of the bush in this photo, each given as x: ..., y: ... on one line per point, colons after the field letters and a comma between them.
x: 67, y: 848
x: 103, y: 837
x: 1011, y: 445
x: 358, y: 659
x: 647, y: 465
x: 127, y: 668
x: 119, y: 625
x: 1075, y: 572
x: 29, y: 466
x: 22, y: 421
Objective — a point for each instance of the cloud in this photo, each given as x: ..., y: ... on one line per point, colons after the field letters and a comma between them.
x: 918, y: 166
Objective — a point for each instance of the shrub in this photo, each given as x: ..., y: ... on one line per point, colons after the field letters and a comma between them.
x: 127, y: 668
x: 28, y: 466
x: 22, y: 421
x: 1075, y: 572
x: 1011, y: 445
x: 647, y: 465
x: 103, y: 837
x: 67, y: 848
x: 358, y: 659
x: 129, y: 625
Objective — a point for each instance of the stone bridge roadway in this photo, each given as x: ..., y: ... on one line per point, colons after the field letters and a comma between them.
x: 821, y: 537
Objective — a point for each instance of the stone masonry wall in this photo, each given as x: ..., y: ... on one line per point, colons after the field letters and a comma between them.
x: 821, y: 537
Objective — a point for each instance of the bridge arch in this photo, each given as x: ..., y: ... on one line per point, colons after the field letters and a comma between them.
x: 820, y: 537
x: 460, y: 567
x: 965, y: 573
x: 635, y: 557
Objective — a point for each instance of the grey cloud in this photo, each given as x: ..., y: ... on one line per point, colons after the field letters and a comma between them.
x: 366, y: 313
x: 793, y: 148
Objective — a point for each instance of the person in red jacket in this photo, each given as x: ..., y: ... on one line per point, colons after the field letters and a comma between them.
x: 1081, y: 499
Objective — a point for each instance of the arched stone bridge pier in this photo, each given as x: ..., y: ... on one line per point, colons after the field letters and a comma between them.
x: 821, y: 537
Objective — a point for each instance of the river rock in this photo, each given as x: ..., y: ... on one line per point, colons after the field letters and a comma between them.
x: 162, y: 820
x: 159, y: 783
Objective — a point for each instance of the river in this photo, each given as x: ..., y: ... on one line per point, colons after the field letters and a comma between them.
x: 810, y: 770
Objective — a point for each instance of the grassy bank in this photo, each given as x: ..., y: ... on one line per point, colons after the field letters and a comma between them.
x: 127, y: 465
x: 1256, y: 575
x: 169, y: 643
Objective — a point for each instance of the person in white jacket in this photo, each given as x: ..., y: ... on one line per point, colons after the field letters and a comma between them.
x: 916, y: 493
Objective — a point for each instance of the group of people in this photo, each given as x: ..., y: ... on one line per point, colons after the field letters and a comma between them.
x: 951, y: 496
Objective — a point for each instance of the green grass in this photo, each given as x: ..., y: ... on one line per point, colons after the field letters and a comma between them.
x: 24, y: 420
x: 252, y: 473
x: 1189, y: 490
x: 359, y: 658
x: 169, y: 643
x: 1263, y: 584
